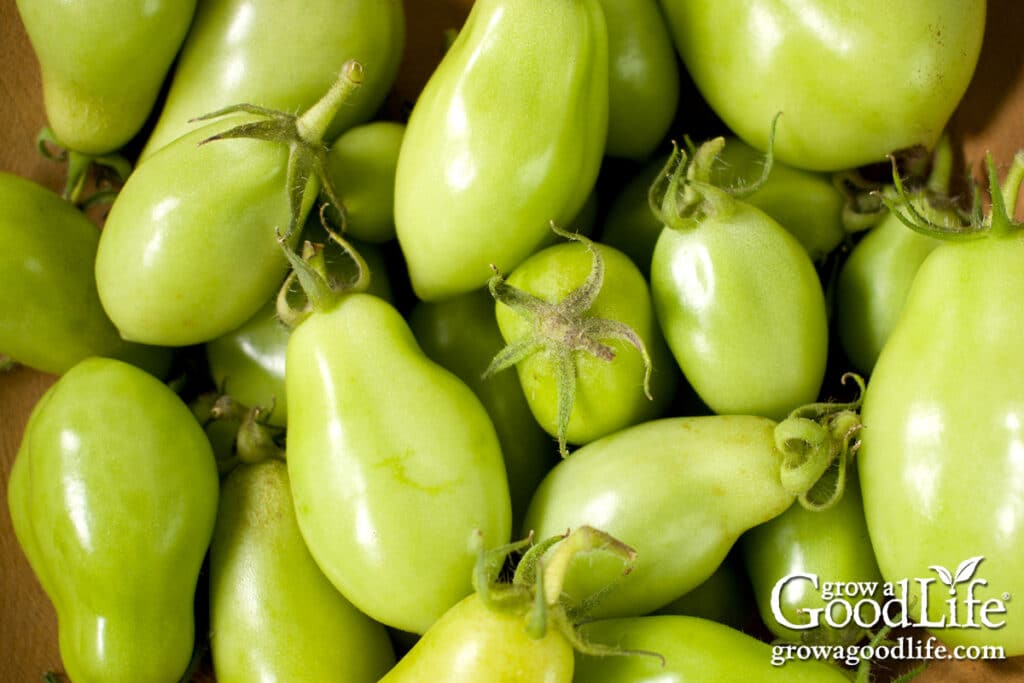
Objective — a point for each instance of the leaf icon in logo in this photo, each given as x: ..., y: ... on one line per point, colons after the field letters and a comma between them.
x: 964, y: 572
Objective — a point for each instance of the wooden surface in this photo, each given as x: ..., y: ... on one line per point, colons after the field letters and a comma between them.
x: 991, y: 118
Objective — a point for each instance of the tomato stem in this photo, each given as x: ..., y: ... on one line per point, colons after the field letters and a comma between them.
x: 313, y: 124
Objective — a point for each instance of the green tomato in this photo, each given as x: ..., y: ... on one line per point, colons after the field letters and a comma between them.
x: 742, y: 309
x: 630, y: 225
x: 53, y: 318
x: 113, y: 497
x: 461, y: 335
x: 475, y: 643
x: 362, y: 164
x: 643, y: 75
x: 609, y: 395
x: 854, y: 80
x: 695, y: 650
x: 189, y: 252
x: 507, y: 136
x: 258, y: 51
x: 273, y: 614
x: 103, y: 63
x: 832, y: 544
x: 393, y: 463
x: 940, y: 465
x: 680, y: 491
x: 248, y: 363
x: 873, y: 286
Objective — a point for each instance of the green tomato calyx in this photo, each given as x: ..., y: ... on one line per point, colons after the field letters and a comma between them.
x: 562, y: 330
x: 307, y: 160
x: 536, y: 588
x: 817, y: 442
x: 110, y: 166
x: 683, y: 194
x: 255, y: 440
x: 955, y: 225
x: 321, y: 288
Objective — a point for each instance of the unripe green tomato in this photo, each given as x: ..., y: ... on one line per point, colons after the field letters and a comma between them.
x: 609, y: 396
x: 274, y: 616
x: 53, y: 317
x: 113, y: 497
x: 103, y: 63
x: 507, y: 135
x: 394, y: 464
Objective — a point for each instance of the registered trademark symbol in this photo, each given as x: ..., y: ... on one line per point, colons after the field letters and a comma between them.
x: 1006, y: 596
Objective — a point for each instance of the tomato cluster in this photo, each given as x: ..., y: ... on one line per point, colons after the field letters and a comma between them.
x: 285, y: 362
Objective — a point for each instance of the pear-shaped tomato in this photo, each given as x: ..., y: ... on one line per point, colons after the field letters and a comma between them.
x: 103, y: 64
x: 113, y: 497
x: 258, y: 52
x: 52, y: 314
x: 942, y: 462
x: 507, y: 136
x: 393, y: 463
x: 274, y: 616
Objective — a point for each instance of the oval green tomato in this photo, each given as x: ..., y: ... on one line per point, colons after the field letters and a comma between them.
x: 831, y: 544
x: 695, y: 651
x: 474, y: 643
x: 461, y: 335
x: 103, y: 63
x: 393, y: 463
x: 643, y: 75
x: 189, y: 252
x: 873, y: 286
x: 680, y: 491
x: 941, y: 459
x: 52, y: 314
x: 113, y: 497
x: 507, y: 136
x: 742, y: 309
x: 273, y: 614
x: 854, y: 80
x: 258, y: 52
x: 609, y: 395
x: 248, y: 363
x: 361, y: 164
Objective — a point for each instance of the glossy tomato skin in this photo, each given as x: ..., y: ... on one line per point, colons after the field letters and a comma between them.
x: 507, y: 136
x: 873, y: 286
x: 832, y: 544
x: 103, y: 63
x: 679, y: 491
x: 474, y: 643
x: 274, y: 616
x: 643, y: 77
x: 725, y: 597
x: 113, y: 496
x: 855, y: 80
x: 257, y: 52
x: 940, y: 461
x: 609, y: 395
x: 743, y: 311
x: 52, y: 314
x: 248, y: 363
x: 462, y: 335
x: 189, y: 250
x: 695, y: 650
x: 393, y: 463
x: 361, y: 164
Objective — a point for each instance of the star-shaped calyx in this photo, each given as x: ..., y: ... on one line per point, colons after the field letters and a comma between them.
x: 562, y: 330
